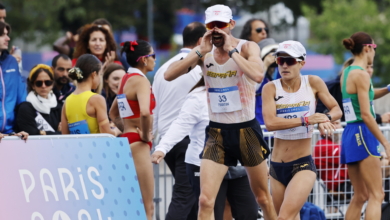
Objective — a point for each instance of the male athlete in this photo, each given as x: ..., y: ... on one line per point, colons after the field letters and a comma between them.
x: 231, y: 68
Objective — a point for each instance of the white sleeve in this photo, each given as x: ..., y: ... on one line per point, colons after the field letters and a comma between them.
x: 190, y: 115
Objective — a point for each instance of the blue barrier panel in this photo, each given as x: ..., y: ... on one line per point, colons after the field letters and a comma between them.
x: 69, y: 178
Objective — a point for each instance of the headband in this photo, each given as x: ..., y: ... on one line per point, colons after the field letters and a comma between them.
x: 40, y: 66
x: 132, y: 44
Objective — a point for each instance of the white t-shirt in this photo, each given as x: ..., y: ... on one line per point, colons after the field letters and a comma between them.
x: 170, y: 95
x: 192, y: 120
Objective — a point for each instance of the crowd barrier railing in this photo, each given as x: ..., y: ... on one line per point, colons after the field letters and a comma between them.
x: 333, y: 202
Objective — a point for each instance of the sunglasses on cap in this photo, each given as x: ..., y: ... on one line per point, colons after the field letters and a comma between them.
x: 39, y: 83
x: 371, y: 45
x: 146, y: 56
x: 288, y: 60
x: 258, y: 30
x: 218, y: 24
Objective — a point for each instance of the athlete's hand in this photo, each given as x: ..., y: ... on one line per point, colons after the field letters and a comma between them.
x: 318, y: 118
x: 23, y: 135
x: 157, y: 156
x: 228, y: 44
x: 206, y: 45
x: 326, y: 128
x: 387, y: 150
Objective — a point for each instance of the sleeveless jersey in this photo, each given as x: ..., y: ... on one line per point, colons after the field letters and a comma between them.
x: 351, y: 101
x: 230, y: 94
x: 76, y: 112
x: 295, y: 105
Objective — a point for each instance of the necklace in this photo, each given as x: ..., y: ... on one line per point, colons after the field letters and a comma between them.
x: 289, y: 87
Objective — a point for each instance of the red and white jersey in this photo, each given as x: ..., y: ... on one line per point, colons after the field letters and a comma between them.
x: 301, y: 103
x: 230, y: 94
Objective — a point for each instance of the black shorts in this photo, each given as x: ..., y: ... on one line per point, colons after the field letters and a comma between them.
x: 227, y: 143
x: 284, y: 172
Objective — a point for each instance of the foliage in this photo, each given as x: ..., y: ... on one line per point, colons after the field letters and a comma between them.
x: 341, y: 18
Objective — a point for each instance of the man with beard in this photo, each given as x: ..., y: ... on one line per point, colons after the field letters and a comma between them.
x: 231, y: 69
x: 61, y: 65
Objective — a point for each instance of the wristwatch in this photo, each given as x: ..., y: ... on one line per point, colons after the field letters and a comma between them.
x: 329, y: 116
x: 232, y: 51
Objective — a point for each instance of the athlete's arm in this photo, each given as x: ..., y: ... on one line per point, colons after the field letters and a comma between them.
x: 115, y: 116
x: 252, y: 65
x: 322, y: 92
x: 143, y: 96
x: 380, y: 92
x: 64, y: 121
x: 272, y: 122
x: 99, y: 104
x: 362, y: 83
x: 185, y: 65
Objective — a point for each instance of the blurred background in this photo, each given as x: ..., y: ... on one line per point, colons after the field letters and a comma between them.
x: 320, y: 25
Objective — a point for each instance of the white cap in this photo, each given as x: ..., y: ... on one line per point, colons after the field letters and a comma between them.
x: 292, y: 48
x: 218, y: 13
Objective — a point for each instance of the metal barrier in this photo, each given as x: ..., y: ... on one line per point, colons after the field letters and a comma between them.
x: 334, y: 203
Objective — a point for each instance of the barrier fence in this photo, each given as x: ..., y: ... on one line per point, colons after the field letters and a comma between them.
x: 332, y: 190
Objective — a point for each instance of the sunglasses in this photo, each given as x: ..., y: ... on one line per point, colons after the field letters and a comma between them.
x: 218, y: 24
x: 288, y: 60
x: 258, y: 30
x: 146, y: 56
x: 371, y: 45
x: 39, y: 83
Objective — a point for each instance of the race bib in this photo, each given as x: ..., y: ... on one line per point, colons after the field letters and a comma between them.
x: 80, y: 127
x: 123, y: 106
x: 349, y: 112
x: 293, y: 112
x: 225, y: 99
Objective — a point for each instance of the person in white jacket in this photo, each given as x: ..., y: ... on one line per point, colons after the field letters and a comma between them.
x: 193, y: 120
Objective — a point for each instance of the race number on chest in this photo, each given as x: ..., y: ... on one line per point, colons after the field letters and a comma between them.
x: 225, y: 99
x: 123, y: 106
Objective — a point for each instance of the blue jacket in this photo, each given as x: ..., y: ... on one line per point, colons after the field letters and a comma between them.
x: 310, y: 211
x: 12, y: 91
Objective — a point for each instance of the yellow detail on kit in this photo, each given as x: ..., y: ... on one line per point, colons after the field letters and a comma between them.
x: 364, y: 143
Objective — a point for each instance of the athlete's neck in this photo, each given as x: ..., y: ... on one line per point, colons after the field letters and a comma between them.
x: 361, y: 61
x: 293, y: 84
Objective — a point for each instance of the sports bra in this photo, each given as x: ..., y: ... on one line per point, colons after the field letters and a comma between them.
x: 129, y: 109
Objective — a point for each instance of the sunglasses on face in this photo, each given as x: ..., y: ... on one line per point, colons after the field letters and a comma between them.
x: 39, y: 83
x: 288, y: 60
x: 146, y: 56
x: 218, y: 24
x: 371, y: 45
x: 258, y: 30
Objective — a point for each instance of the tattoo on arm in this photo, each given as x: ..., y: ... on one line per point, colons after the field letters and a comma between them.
x: 118, y: 123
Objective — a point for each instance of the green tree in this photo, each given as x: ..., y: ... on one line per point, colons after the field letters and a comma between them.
x: 341, y: 18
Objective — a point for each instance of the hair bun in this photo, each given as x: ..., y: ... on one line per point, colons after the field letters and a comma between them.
x: 349, y: 43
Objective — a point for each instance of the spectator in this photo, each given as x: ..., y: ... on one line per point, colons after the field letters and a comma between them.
x: 61, y: 65
x: 12, y: 85
x: 66, y: 44
x: 335, y: 90
x: 112, y: 76
x: 85, y: 112
x: 96, y: 40
x: 170, y: 97
x: 104, y: 23
x: 255, y: 30
x: 40, y: 114
x: 3, y: 13
x: 268, y: 47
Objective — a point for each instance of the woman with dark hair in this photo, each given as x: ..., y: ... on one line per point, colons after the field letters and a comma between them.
x: 40, y: 114
x: 360, y: 147
x: 96, y: 40
x: 112, y: 76
x: 85, y: 112
x: 134, y: 104
x: 255, y: 30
